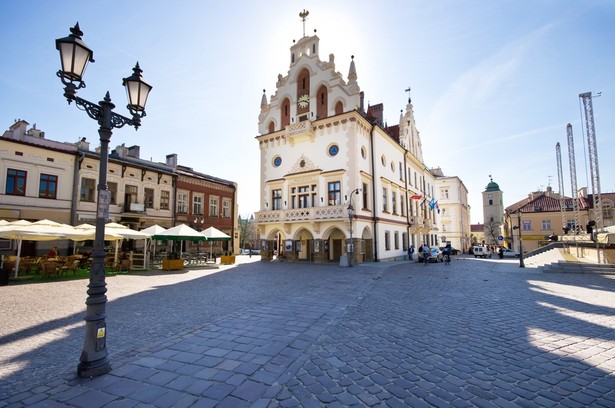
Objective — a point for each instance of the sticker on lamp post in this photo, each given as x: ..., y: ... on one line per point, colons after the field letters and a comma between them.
x: 104, y: 199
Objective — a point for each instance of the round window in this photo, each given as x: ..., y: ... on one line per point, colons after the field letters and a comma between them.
x: 333, y: 150
x: 277, y: 161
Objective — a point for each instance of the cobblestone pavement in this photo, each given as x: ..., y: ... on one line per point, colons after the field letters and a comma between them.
x: 473, y: 333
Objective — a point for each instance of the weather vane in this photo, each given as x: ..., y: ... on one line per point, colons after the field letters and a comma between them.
x: 303, y: 16
x: 408, y: 90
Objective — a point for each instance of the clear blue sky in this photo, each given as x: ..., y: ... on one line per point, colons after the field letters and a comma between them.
x: 494, y: 83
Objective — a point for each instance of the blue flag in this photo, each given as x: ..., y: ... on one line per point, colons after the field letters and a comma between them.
x: 432, y: 203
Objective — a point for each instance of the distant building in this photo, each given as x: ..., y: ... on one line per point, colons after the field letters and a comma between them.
x: 538, y: 218
x: 454, y: 212
x: 493, y: 213
x: 47, y: 179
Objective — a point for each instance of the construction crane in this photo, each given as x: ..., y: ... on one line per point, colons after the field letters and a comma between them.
x: 593, y: 158
x: 560, y: 181
x: 573, y: 179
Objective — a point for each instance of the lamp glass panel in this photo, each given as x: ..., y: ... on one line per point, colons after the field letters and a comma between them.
x: 137, y: 92
x: 74, y: 60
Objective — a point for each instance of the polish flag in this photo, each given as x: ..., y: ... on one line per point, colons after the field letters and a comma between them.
x: 416, y: 197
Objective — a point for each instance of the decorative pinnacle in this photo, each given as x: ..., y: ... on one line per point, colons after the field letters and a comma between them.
x: 303, y: 16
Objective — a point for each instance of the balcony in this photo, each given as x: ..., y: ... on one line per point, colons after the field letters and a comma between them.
x: 329, y: 213
x: 299, y: 132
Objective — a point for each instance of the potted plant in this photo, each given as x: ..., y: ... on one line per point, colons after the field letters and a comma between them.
x: 173, y: 262
x: 227, y: 258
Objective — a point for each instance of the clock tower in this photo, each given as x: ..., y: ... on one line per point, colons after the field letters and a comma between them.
x: 493, y: 212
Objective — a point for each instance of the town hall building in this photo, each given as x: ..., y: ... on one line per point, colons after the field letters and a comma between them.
x: 338, y: 184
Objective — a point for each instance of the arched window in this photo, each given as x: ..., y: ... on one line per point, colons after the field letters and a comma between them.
x: 285, y: 113
x: 271, y: 127
x: 322, y: 103
x: 339, y: 108
x: 303, y: 91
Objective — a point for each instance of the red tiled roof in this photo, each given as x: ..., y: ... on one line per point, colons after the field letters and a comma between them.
x: 544, y: 203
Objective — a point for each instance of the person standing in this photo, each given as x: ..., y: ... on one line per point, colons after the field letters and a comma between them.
x: 411, y: 252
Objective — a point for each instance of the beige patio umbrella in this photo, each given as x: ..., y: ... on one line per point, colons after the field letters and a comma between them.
x: 43, y: 230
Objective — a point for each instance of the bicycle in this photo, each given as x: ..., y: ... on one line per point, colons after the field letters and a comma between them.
x: 447, y: 258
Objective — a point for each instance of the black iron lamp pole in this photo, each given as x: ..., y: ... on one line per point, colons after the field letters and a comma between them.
x: 350, y: 218
x: 74, y: 56
x: 521, y: 263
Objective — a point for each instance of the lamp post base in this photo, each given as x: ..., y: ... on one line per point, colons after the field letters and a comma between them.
x: 91, y: 369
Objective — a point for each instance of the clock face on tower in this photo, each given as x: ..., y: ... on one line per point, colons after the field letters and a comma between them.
x: 303, y: 101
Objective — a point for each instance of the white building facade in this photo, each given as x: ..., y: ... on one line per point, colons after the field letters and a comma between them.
x: 321, y: 153
x: 454, y: 213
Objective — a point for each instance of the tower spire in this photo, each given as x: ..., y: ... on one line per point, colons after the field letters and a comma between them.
x: 303, y: 16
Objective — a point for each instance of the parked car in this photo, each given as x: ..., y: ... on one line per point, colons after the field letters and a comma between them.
x: 481, y: 251
x: 244, y: 251
x: 256, y: 251
x: 436, y: 255
x: 454, y: 251
x: 509, y: 253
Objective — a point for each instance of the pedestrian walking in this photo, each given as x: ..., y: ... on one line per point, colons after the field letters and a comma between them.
x: 411, y: 252
x: 426, y: 254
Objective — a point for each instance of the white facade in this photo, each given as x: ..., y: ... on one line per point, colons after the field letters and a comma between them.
x: 454, y: 213
x: 321, y: 152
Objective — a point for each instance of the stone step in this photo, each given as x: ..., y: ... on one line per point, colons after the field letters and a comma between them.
x: 579, y: 267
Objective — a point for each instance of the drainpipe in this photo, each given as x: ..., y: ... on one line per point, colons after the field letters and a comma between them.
x: 408, y: 204
x: 75, y: 196
x: 371, y: 134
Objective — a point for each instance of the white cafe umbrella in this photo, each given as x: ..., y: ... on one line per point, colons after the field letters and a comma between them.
x: 152, y: 230
x: 213, y: 234
x: 180, y: 232
x: 43, y: 230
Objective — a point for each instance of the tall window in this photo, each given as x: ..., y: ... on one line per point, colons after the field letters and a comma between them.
x: 130, y: 195
x: 444, y: 193
x: 334, y: 194
x: 16, y: 182
x: 303, y: 197
x: 276, y: 199
x: 112, y: 188
x: 394, y: 203
x: 365, y: 196
x: 182, y: 203
x: 387, y: 240
x: 148, y: 194
x: 48, y: 186
x: 546, y: 225
x: 213, y: 206
x: 526, y: 225
x: 164, y: 200
x: 197, y: 205
x: 88, y: 190
x: 396, y: 239
x: 384, y: 199
x: 226, y: 208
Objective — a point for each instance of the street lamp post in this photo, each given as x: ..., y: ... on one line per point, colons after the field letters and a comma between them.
x: 74, y: 56
x: 518, y: 227
x: 351, y: 213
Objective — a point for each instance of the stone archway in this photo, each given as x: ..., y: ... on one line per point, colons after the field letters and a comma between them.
x: 333, y: 245
x: 270, y: 247
x: 303, y: 242
x: 365, y: 251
